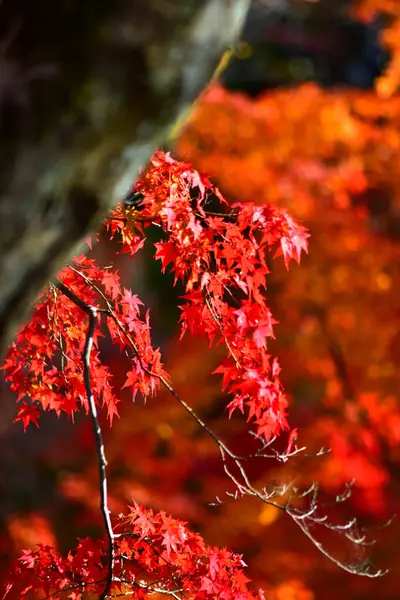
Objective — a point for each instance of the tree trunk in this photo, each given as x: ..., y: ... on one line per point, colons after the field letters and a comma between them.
x: 88, y: 89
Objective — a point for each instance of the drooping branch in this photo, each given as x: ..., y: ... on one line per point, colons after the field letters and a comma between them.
x: 306, y: 517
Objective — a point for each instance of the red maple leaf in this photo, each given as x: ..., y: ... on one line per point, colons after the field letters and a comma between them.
x: 27, y: 413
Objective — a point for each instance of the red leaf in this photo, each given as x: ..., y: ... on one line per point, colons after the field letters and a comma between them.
x: 27, y: 413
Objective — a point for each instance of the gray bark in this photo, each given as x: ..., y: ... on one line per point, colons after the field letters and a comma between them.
x: 88, y: 89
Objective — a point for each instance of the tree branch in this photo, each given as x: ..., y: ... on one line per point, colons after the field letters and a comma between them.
x: 92, y: 312
x: 304, y: 518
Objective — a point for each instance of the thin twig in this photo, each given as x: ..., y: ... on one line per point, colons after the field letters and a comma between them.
x: 71, y: 588
x: 149, y: 588
x: 216, y: 320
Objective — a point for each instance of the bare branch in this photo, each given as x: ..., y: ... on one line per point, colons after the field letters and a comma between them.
x: 92, y: 312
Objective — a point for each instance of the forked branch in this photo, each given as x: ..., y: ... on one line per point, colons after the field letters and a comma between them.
x: 306, y: 517
x: 92, y: 313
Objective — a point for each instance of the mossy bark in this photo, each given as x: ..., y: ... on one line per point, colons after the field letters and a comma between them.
x: 88, y: 88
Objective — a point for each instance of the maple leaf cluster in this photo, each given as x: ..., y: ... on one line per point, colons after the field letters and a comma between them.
x: 153, y: 553
x: 221, y: 258
x: 44, y: 363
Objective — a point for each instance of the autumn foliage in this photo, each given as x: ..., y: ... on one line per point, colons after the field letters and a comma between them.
x: 221, y: 260
x: 289, y: 163
x: 214, y: 255
x: 153, y: 553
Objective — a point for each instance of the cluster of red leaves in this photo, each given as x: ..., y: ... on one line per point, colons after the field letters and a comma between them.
x: 153, y: 553
x: 44, y: 364
x: 221, y: 260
